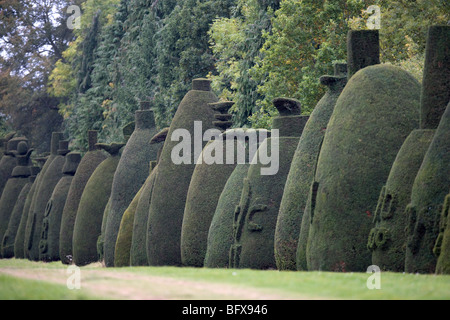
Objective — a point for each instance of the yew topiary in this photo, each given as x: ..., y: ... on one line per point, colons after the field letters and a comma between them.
x: 430, y: 188
x: 51, y: 225
x: 12, y: 190
x: 131, y: 173
x: 19, y: 252
x: 207, y: 183
x: 363, y: 50
x: 387, y: 240
x: 8, y: 161
x: 255, y: 223
x: 86, y: 168
x: 125, y: 234
x: 436, y: 78
x: 302, y: 172
x: 92, y: 205
x: 375, y: 113
x: 138, y: 251
x: 442, y: 247
x: 220, y: 234
x: 391, y: 219
x: 172, y: 182
x: 48, y: 179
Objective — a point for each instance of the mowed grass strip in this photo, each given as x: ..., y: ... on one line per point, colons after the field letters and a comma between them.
x: 22, y: 279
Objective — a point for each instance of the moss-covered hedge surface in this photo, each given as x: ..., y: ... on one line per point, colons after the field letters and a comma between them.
x: 301, y: 174
x: 8, y: 200
x: 429, y: 191
x: 7, y: 245
x: 363, y: 50
x: 442, y: 248
x: 436, y: 78
x: 49, y: 243
x: 86, y: 168
x: 373, y: 116
x: 125, y: 235
x: 220, y: 234
x: 387, y: 240
x: 19, y: 250
x: 88, y: 221
x: 131, y: 173
x: 46, y: 185
x: 254, y: 226
x: 207, y: 183
x: 172, y: 182
x: 138, y: 251
x: 8, y: 161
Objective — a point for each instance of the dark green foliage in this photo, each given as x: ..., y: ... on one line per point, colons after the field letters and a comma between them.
x: 8, y: 162
x: 436, y: 80
x: 255, y: 224
x: 363, y: 49
x: 207, y: 183
x: 87, y: 166
x: 51, y: 225
x: 13, y: 188
x: 125, y: 234
x: 50, y: 178
x: 19, y: 252
x: 131, y: 173
x: 428, y: 193
x: 390, y: 217
x: 301, y: 175
x: 172, y: 182
x: 138, y: 252
x: 373, y: 116
x: 220, y: 236
x: 442, y: 248
x: 92, y: 205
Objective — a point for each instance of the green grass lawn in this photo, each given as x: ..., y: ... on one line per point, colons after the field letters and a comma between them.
x: 21, y: 279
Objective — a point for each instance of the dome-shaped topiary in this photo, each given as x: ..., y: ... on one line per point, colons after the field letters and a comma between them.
x: 430, y: 188
x: 19, y: 252
x: 302, y: 172
x: 255, y: 223
x: 41, y: 196
x: 51, y: 225
x: 8, y: 161
x: 172, y: 182
x: 138, y: 251
x: 86, y: 168
x: 130, y: 175
x: 394, y: 197
x: 125, y: 234
x: 16, y: 216
x: 12, y: 190
x: 92, y: 205
x: 375, y: 113
x: 207, y: 183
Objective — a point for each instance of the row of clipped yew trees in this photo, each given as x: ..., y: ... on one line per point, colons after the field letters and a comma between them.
x: 363, y: 180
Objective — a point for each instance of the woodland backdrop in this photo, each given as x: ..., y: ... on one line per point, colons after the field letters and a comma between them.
x: 126, y: 51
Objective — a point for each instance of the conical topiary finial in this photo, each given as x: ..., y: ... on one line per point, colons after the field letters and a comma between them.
x: 436, y: 77
x: 113, y: 149
x: 92, y: 139
x: 201, y: 84
x: 287, y: 106
x: 56, y: 137
x: 63, y: 148
x: 363, y: 50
